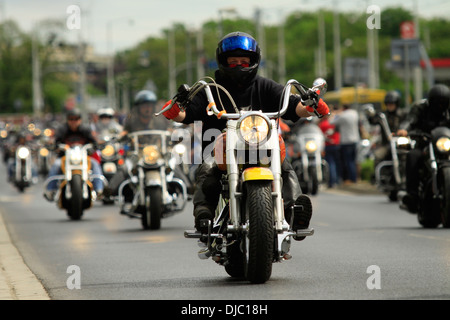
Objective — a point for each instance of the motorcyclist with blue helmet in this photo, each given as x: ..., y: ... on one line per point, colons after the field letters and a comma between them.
x: 238, y: 57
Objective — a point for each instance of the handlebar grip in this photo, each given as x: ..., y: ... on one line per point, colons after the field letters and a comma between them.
x: 157, y: 114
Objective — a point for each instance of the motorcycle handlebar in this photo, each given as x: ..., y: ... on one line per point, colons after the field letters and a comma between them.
x: 309, y: 97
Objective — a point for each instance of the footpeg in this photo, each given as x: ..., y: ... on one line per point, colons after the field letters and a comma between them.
x: 192, y: 234
x: 304, y: 232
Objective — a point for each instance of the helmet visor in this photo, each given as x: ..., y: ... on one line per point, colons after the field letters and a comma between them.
x: 238, y: 42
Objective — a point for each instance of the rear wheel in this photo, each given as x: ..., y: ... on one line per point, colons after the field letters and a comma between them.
x: 257, y: 246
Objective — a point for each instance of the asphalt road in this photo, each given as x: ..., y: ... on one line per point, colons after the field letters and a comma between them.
x: 364, y: 248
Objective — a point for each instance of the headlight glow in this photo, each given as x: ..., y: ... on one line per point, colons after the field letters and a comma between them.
x: 403, y: 143
x: 443, y: 144
x: 43, y: 152
x: 151, y: 154
x: 75, y: 157
x: 108, y: 151
x: 254, y: 129
x: 23, y: 153
x: 180, y: 149
x: 47, y: 132
x: 311, y: 146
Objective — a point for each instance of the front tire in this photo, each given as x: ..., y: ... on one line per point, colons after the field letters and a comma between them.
x: 258, y: 244
x: 428, y: 213
x: 75, y: 208
x: 445, y: 191
x: 151, y: 217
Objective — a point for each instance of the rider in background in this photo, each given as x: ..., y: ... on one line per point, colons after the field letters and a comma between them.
x: 395, y: 116
x: 140, y: 118
x: 21, y: 139
x: 238, y: 57
x: 424, y: 116
x: 106, y: 124
x: 71, y: 133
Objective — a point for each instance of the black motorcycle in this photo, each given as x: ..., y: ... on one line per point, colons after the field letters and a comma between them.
x: 111, y: 159
x: 434, y: 179
x: 390, y: 174
x: 22, y: 168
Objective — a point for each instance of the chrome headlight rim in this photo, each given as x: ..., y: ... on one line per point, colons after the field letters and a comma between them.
x: 150, y: 154
x: 108, y: 151
x: 443, y: 144
x: 248, y: 136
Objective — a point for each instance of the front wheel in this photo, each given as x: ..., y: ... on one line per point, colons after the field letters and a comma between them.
x: 258, y: 244
x: 313, y: 183
x: 151, y: 217
x: 445, y: 192
x: 428, y: 213
x: 75, y: 208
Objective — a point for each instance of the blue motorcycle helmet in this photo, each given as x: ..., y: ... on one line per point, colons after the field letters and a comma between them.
x: 238, y: 44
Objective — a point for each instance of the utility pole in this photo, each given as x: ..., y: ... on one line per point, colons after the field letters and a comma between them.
x: 322, y: 65
x: 172, y: 75
x: 281, y: 52
x: 260, y: 37
x: 82, y: 76
x: 418, y: 82
x: 36, y: 77
x: 337, y: 49
x: 200, y: 54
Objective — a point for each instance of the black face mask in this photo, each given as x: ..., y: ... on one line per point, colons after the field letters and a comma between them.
x: 240, y: 76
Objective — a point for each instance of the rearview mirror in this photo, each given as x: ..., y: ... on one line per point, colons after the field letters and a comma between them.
x: 321, y: 85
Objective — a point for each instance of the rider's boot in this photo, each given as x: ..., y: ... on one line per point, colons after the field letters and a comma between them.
x: 409, y: 202
x: 302, y: 215
x: 50, y: 195
x: 202, y: 212
x: 206, y: 195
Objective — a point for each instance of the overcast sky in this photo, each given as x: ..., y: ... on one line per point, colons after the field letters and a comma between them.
x: 132, y: 21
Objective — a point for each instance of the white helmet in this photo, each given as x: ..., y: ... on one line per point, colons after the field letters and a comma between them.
x: 106, y: 112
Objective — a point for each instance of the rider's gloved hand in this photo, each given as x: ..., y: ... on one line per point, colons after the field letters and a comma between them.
x: 322, y: 108
x: 172, y: 112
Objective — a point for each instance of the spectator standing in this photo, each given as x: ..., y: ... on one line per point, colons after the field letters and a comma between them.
x: 332, y: 150
x: 347, y: 123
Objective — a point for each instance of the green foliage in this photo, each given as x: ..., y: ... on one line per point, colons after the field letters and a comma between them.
x: 147, y: 63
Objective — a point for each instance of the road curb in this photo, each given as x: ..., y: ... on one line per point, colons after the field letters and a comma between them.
x: 17, y: 281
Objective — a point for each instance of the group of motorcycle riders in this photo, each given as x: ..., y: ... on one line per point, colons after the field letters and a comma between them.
x: 238, y: 57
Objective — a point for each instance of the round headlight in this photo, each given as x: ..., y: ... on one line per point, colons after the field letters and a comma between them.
x: 403, y: 143
x: 43, y: 152
x: 180, y: 149
x: 23, y: 152
x: 75, y: 157
x: 443, y: 144
x: 254, y: 129
x: 48, y: 132
x: 108, y: 151
x: 311, y: 146
x: 151, y: 154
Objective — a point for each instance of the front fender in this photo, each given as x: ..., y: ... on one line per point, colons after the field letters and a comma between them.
x: 257, y: 173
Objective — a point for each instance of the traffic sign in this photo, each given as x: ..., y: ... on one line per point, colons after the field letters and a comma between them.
x: 407, y: 30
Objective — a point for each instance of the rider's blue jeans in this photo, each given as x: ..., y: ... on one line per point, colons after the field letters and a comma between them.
x: 56, y: 169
